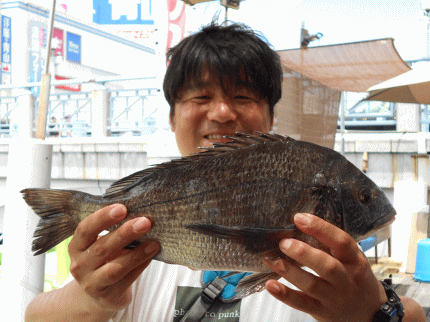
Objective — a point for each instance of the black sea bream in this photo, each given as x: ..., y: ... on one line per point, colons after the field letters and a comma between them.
x: 227, y: 207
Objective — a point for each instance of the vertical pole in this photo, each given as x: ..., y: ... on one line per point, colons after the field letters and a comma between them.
x: 45, y: 87
x: 100, y: 114
x: 428, y: 34
x: 342, y: 120
x: 29, y: 165
x: 25, y: 121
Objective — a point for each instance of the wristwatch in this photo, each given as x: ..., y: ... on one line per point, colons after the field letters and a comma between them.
x: 392, y: 311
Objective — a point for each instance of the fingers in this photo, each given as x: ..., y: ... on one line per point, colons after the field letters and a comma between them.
x: 110, y: 245
x: 101, y: 265
x: 307, y: 282
x: 89, y: 253
x: 341, y: 245
x: 343, y: 275
x: 295, y: 299
x: 119, y: 269
x: 88, y: 229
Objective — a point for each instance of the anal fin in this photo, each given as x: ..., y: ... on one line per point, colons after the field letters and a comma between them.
x: 253, y: 283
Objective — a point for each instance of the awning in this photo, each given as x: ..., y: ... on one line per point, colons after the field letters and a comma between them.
x: 350, y: 67
x: 314, y: 78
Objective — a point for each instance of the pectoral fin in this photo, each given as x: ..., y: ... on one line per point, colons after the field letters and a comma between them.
x: 257, y: 240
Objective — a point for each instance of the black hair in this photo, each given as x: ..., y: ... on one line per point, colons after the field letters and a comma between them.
x: 233, y: 54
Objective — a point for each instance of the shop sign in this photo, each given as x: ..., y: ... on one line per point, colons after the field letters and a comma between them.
x: 68, y: 87
x: 120, y: 12
x: 73, y: 49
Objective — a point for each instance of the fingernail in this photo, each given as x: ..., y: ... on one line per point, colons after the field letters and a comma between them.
x: 141, y: 224
x: 271, y: 260
x: 273, y: 287
x: 151, y: 247
x: 285, y: 244
x: 117, y: 211
x: 302, y: 219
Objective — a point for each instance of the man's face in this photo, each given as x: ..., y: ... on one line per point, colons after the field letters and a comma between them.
x: 204, y: 113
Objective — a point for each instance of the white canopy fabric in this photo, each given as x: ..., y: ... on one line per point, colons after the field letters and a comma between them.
x: 410, y: 87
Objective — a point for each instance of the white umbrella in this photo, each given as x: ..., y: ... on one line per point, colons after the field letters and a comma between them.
x: 410, y: 87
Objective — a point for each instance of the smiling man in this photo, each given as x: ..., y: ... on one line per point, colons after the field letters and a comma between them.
x: 221, y: 80
x: 219, y: 83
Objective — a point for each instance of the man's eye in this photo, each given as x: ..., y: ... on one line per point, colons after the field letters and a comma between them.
x: 200, y: 99
x: 243, y: 98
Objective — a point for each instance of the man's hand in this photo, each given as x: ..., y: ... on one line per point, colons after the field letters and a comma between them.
x: 101, y: 265
x: 344, y: 290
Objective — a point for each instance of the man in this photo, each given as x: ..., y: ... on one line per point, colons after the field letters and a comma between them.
x: 219, y: 81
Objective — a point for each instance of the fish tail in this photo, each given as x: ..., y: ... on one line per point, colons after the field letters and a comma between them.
x: 59, y: 215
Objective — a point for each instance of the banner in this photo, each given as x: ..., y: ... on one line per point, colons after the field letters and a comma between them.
x: 176, y: 22
x: 6, y: 50
x: 37, y: 52
x: 59, y: 35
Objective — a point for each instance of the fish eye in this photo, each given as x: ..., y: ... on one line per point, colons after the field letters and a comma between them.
x: 365, y: 196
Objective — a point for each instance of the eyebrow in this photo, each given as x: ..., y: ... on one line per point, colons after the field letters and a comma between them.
x: 200, y: 84
x: 197, y: 85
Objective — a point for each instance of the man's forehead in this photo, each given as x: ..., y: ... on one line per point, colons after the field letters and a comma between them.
x: 207, y: 80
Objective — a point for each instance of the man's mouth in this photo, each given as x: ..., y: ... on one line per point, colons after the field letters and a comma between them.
x: 214, y: 136
x: 217, y: 138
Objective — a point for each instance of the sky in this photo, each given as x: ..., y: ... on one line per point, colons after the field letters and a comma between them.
x: 340, y: 21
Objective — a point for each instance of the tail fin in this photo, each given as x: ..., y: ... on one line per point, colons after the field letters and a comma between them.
x: 58, y: 214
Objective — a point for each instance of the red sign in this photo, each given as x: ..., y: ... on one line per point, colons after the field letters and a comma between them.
x: 58, y: 34
x: 68, y: 87
x: 176, y: 28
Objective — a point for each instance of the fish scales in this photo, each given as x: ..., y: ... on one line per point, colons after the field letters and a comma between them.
x: 227, y: 207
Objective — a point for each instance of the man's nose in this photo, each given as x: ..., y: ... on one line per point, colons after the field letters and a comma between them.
x: 222, y: 111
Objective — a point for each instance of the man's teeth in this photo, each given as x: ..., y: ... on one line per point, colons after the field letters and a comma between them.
x: 215, y: 137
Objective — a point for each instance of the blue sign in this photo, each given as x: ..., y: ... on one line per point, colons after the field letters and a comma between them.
x: 120, y: 12
x: 6, y: 50
x: 73, y: 48
x: 37, y: 52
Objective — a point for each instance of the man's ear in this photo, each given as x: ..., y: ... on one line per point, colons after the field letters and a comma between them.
x: 172, y: 122
x: 271, y: 124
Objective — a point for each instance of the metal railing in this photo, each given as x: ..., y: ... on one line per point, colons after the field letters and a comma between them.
x: 132, y: 112
x: 71, y: 114
x: 8, y: 105
x: 371, y: 115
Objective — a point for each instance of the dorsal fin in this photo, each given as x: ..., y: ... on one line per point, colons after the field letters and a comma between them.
x: 238, y: 141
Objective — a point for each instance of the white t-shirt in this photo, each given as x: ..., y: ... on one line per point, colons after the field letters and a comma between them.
x: 155, y: 296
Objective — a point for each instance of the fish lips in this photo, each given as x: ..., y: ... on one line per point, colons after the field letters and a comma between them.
x: 378, y: 224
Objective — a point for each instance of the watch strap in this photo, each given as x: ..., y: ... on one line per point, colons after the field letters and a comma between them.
x: 392, y: 310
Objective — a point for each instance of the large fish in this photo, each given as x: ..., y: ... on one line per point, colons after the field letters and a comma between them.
x: 227, y: 207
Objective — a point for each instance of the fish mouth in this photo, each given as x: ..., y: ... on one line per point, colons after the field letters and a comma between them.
x: 380, y: 223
